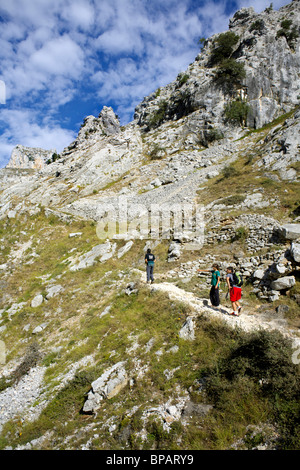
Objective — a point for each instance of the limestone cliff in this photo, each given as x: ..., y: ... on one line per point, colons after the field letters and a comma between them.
x: 30, y: 157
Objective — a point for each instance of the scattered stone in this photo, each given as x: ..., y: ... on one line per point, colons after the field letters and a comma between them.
x: 188, y: 331
x: 53, y: 291
x: 37, y: 301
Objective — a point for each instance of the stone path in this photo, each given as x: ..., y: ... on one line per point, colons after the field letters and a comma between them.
x: 249, y: 320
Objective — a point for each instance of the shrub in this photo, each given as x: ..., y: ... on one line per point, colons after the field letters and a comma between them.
x: 230, y: 75
x: 236, y: 112
x: 157, y: 152
x: 232, y: 200
x: 262, y: 361
x: 31, y: 358
x: 229, y: 171
x: 257, y: 25
x: 158, y: 116
x: 223, y: 47
x: 211, y: 135
x: 55, y: 156
x: 290, y: 34
x: 182, y: 78
x: 241, y: 233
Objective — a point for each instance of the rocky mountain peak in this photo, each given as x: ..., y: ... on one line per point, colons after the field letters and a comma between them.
x: 260, y: 69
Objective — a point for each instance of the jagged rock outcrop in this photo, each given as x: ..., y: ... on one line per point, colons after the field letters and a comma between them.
x: 29, y: 157
x: 106, y: 124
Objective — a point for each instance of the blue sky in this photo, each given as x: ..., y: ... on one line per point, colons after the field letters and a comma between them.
x: 62, y: 60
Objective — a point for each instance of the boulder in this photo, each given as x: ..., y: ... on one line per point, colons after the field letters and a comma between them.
x: 131, y: 289
x: 125, y: 248
x: 174, y: 251
x: 37, y: 301
x: 103, y: 251
x: 295, y: 251
x: 108, y: 385
x: 283, y: 283
x: 39, y: 328
x: 187, y: 331
x: 53, y: 291
x: 258, y: 274
x: 290, y: 231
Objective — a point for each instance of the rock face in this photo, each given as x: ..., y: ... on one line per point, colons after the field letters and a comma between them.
x: 270, y: 87
x: 29, y: 158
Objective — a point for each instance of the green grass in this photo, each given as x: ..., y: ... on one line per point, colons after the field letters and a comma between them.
x: 231, y: 362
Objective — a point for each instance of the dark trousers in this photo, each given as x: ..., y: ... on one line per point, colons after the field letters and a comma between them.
x: 214, y: 296
x: 149, y: 270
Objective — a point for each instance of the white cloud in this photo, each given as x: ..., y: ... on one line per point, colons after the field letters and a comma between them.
x: 27, y: 131
x: 79, y: 14
x: 60, y: 56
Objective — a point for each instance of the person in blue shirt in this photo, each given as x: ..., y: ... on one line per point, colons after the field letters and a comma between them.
x: 149, y: 260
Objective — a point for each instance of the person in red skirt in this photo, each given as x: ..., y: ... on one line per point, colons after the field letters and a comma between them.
x: 235, y: 291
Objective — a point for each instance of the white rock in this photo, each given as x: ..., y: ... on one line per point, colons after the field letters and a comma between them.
x: 53, y: 291
x: 39, y: 328
x: 258, y: 274
x: 290, y: 231
x: 283, y: 283
x: 125, y: 248
x: 37, y: 301
x: 187, y: 331
x: 295, y: 251
x: 109, y: 384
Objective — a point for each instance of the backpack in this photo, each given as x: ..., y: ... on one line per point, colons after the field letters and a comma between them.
x: 237, y: 279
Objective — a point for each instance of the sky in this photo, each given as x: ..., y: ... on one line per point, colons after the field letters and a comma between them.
x: 62, y: 60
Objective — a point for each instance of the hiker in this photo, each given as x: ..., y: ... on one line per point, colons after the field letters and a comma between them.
x: 215, y: 284
x: 149, y: 260
x: 235, y: 291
